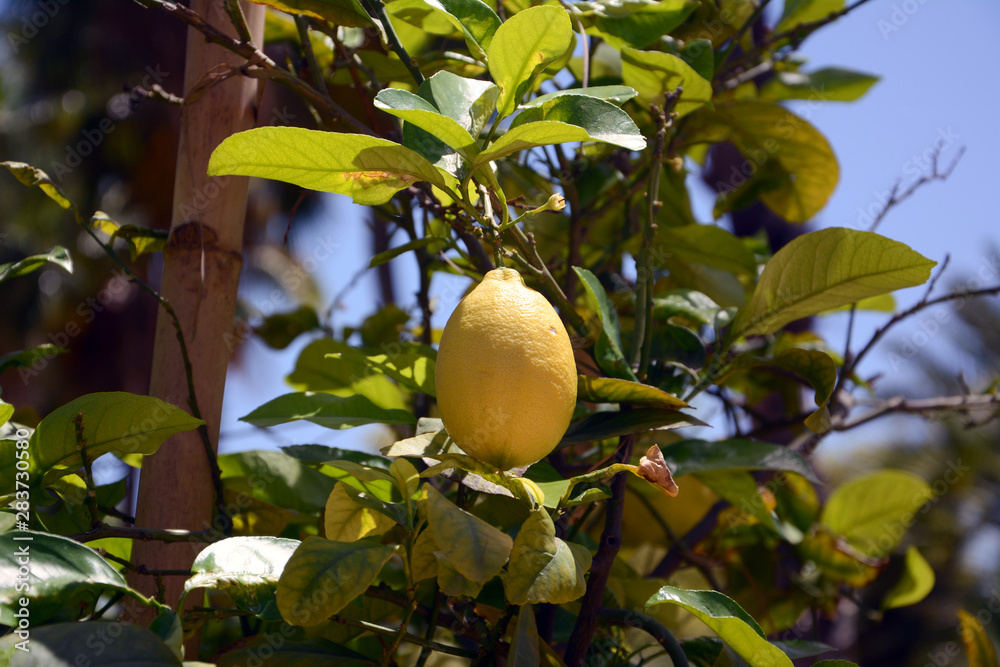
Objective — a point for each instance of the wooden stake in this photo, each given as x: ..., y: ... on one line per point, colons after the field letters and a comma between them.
x: 201, y: 270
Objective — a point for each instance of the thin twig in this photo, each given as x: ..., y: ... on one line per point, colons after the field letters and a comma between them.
x: 850, y: 366
x: 142, y: 569
x: 377, y: 7
x: 960, y: 404
x: 90, y: 499
x: 659, y: 632
x: 382, y: 631
x: 147, y: 534
x: 258, y: 64
x: 302, y: 24
x: 490, y: 645
x: 239, y: 21
x: 896, y: 197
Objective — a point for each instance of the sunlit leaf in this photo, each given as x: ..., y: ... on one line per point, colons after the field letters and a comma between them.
x: 915, y: 584
x: 247, y: 569
x: 979, y: 649
x: 613, y: 390
x: 789, y: 164
x: 828, y: 84
x: 522, y: 47
x: 733, y: 625
x: 368, y: 169
x: 874, y: 512
x: 602, y: 120
x: 58, y: 256
x: 825, y: 269
x: 654, y: 74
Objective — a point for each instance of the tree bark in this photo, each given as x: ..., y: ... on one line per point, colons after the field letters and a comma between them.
x: 201, y: 270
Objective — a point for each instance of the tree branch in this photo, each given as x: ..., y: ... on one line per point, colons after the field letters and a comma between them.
x: 586, y: 621
x: 659, y: 632
x: 147, y: 534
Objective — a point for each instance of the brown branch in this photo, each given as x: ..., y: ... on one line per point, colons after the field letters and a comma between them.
x: 633, y: 619
x: 586, y: 621
x: 924, y: 406
x: 147, y: 534
x: 258, y: 64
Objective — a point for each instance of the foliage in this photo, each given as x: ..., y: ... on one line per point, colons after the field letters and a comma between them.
x: 513, y: 156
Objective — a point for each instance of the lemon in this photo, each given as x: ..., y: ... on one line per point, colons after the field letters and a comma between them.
x: 505, y: 376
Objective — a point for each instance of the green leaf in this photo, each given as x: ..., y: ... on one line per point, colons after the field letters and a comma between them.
x: 530, y: 135
x: 524, y: 643
x: 874, y: 512
x: 28, y: 358
x: 700, y: 456
x: 140, y: 240
x: 612, y: 390
x: 636, y: 23
x: 979, y: 649
x: 797, y: 649
x: 66, y: 644
x: 322, y: 577
x: 309, y: 653
x: 58, y: 255
x: 276, y: 478
x: 367, y: 169
x: 345, y: 520
x: 114, y: 422
x: 278, y: 331
x: 473, y: 547
x: 825, y: 269
x: 883, y: 303
x: 347, y: 376
x: 608, y: 349
x: 602, y: 120
x: 789, y: 164
x: 410, y: 364
x: 728, y: 620
x: 829, y: 84
x: 245, y: 568
x: 544, y: 568
x: 915, y: 584
x: 522, y: 47
x: 6, y: 412
x: 740, y: 489
x: 615, y: 94
x: 653, y: 74
x: 31, y: 177
x: 336, y: 412
x: 708, y: 245
x: 601, y: 425
x: 806, y: 11
x: 814, y: 366
x: 416, y: 110
x: 688, y: 304
x: 63, y: 574
x: 474, y: 19
x: 467, y: 101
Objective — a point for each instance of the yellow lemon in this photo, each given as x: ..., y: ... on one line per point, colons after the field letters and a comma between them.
x: 506, y: 377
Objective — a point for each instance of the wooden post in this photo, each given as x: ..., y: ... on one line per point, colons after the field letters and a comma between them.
x: 201, y: 270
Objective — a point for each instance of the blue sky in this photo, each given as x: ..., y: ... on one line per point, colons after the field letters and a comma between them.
x: 938, y: 65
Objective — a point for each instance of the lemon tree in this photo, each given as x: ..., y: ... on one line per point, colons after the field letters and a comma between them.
x: 538, y: 488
